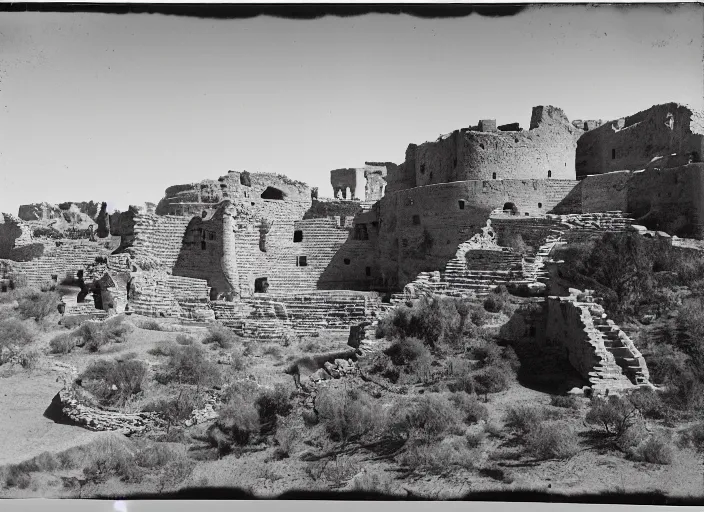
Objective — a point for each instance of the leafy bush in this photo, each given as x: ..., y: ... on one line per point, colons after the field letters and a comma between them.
x: 493, y: 379
x: 693, y: 437
x: 221, y: 336
x: 151, y: 325
x: 15, y: 332
x: 552, y: 440
x: 349, y: 415
x: 460, y: 371
x: 438, y: 457
x: 435, y: 320
x: 176, y: 409
x: 93, y: 335
x: 15, y: 477
x: 38, y: 305
x: 112, y: 382
x: 648, y: 402
x: 28, y: 358
x: 62, y: 343
x: 406, y: 350
x: 496, y: 301
x: 238, y: 420
x: 189, y: 365
x: 112, y: 458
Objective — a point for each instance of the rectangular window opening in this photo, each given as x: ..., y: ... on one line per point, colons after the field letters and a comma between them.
x: 301, y: 261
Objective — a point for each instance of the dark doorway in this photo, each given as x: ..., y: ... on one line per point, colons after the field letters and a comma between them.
x: 297, y: 236
x: 261, y: 285
x: 213, y: 293
x: 273, y: 193
x: 510, y: 207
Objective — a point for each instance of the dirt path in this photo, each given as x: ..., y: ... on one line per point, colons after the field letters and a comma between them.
x: 24, y: 431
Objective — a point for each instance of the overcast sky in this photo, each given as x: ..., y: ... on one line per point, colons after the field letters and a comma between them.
x: 118, y: 107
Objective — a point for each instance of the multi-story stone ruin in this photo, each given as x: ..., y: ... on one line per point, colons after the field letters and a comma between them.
x: 266, y: 256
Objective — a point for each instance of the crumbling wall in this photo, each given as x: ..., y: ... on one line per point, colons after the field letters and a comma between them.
x: 14, y: 235
x: 630, y: 143
x: 157, y: 240
x: 420, y: 228
x: 348, y: 183
x: 545, y: 151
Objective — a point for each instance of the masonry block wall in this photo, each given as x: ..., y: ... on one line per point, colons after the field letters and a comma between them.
x: 420, y: 228
x: 545, y: 151
x: 157, y: 240
x: 630, y: 143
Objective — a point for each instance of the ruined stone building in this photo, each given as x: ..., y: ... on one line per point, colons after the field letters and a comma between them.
x: 265, y: 255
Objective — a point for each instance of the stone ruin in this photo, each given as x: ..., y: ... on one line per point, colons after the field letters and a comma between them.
x: 265, y: 256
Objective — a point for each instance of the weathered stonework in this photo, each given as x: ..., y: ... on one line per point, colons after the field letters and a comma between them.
x: 631, y: 143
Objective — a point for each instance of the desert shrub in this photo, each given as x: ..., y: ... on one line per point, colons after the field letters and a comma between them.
x: 566, y: 402
x: 238, y: 420
x: 509, y: 355
x: 272, y: 350
x: 499, y: 300
x: 614, y: 415
x: 471, y: 409
x: 272, y: 403
x: 176, y: 471
x: 189, y: 364
x: 221, y: 336
x: 151, y: 325
x: 93, y: 335
x: 429, y: 418
x: 656, y: 449
x: 524, y: 418
x: 693, y: 437
x: 158, y: 455
x: 406, y: 350
x: 648, y: 402
x: 62, y: 343
x: 112, y: 457
x: 38, y: 305
x: 340, y: 470
x: 28, y: 358
x: 438, y: 457
x: 460, y: 370
x: 112, y: 382
x: 478, y: 316
x: 373, y: 482
x: 515, y: 241
x: 475, y: 438
x: 286, y: 437
x: 15, y: 332
x: 184, y: 339
x: 552, y: 440
x: 435, y: 320
x: 493, y: 379
x: 164, y: 349
x: 349, y: 415
x: 15, y: 477
x: 176, y: 409
x: 486, y: 351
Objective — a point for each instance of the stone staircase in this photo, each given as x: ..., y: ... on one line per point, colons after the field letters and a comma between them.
x: 627, y: 357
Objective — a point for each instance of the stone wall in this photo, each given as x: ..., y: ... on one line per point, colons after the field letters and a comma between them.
x: 662, y: 199
x: 630, y: 143
x: 545, y: 151
x: 14, y: 234
x: 159, y: 294
x: 420, y: 228
x: 157, y: 240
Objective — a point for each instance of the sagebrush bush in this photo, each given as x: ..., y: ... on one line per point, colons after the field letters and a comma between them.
x: 498, y: 301
x: 406, y: 350
x: 439, y: 456
x: 493, y: 379
x: 15, y: 477
x: 429, y: 418
x: 62, y: 343
x: 648, y: 402
x: 14, y: 332
x: 552, y: 440
x: 112, y: 382
x: 177, y: 408
x: 471, y: 409
x: 524, y: 418
x: 349, y: 415
x: 566, y: 402
x: 92, y: 335
x: 184, y: 339
x: 460, y: 371
x: 657, y: 449
x: 151, y: 325
x: 189, y: 364
x: 221, y: 336
x: 239, y: 420
x: 112, y: 458
x: 38, y: 305
x: 272, y: 403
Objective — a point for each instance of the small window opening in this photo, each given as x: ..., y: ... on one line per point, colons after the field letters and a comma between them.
x: 211, y: 236
x: 540, y: 205
x: 297, y: 236
x: 549, y: 174
x: 527, y: 214
x: 301, y: 261
x: 202, y: 245
x: 347, y: 261
x: 273, y: 193
x: 422, y: 168
x: 368, y: 271
x: 416, y: 219
x: 493, y: 176
x: 461, y: 203
x: 261, y: 285
x: 613, y: 154
x: 481, y: 145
